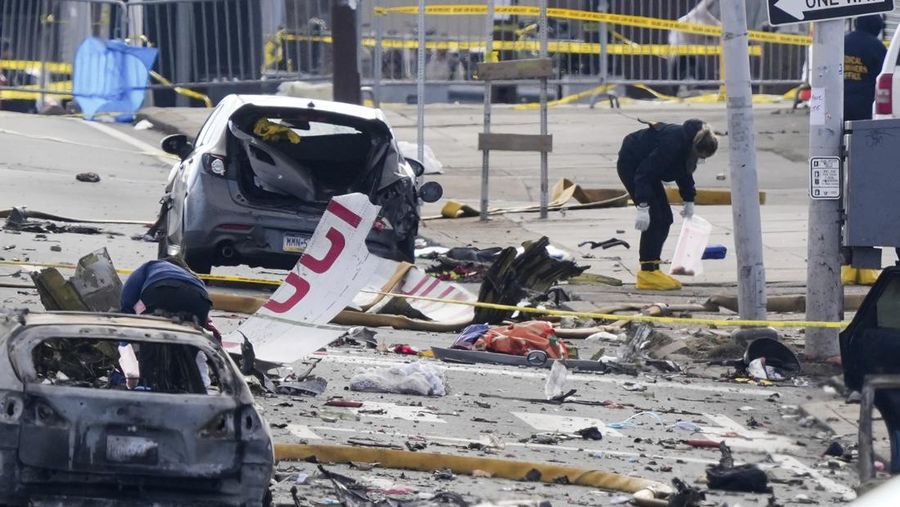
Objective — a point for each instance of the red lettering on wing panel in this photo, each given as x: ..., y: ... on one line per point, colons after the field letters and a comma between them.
x: 337, y: 246
x: 301, y: 289
x: 341, y: 211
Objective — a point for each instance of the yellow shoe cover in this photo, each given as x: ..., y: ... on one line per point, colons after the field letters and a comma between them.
x: 867, y: 276
x: 656, y: 280
x: 849, y: 274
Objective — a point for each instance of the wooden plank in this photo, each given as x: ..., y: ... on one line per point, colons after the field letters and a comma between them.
x: 530, y: 68
x: 515, y: 142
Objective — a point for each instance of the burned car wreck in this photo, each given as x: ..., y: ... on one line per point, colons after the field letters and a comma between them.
x: 113, y: 409
x: 255, y: 182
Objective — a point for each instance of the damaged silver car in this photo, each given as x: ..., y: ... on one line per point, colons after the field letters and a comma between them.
x: 253, y: 185
x: 123, y: 410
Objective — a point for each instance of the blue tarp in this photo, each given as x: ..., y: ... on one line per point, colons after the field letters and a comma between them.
x: 110, y: 76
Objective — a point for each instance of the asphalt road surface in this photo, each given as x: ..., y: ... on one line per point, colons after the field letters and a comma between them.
x: 490, y: 411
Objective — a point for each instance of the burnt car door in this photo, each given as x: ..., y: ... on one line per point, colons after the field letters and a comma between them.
x: 871, y: 346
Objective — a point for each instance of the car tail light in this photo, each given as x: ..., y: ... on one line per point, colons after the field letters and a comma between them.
x: 11, y: 408
x: 884, y: 94
x: 214, y: 164
x: 220, y: 426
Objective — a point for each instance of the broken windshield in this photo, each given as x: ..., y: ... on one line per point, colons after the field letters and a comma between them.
x: 96, y: 363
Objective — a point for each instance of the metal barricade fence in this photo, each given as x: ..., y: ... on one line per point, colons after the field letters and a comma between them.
x: 591, y: 41
x: 219, y: 46
x: 38, y: 41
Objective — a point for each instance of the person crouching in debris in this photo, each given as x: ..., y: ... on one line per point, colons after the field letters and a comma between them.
x: 659, y: 153
x: 165, y: 287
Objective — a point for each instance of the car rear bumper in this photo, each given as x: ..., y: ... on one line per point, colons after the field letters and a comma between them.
x: 47, y: 487
x: 233, y: 241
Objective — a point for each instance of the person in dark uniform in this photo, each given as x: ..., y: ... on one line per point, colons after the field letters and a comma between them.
x: 164, y: 287
x: 661, y: 153
x: 864, y: 53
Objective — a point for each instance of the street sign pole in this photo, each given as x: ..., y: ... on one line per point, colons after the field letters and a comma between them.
x: 824, y: 294
x: 420, y: 84
x: 742, y: 163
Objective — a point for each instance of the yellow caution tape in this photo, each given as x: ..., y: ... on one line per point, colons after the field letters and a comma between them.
x: 52, y: 67
x: 789, y: 324
x: 785, y: 324
x: 599, y: 17
x: 568, y: 99
x: 182, y: 91
x: 60, y: 90
x: 570, y: 47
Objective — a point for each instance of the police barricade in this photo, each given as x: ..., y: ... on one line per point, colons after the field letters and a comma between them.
x: 38, y: 41
x: 673, y: 44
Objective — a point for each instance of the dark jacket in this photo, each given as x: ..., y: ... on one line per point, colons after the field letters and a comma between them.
x: 152, y: 272
x: 661, y: 153
x: 863, y: 55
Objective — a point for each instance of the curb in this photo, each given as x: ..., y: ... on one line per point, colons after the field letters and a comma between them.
x: 159, y: 121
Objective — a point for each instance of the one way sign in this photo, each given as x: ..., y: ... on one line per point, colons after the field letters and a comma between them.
x: 785, y: 12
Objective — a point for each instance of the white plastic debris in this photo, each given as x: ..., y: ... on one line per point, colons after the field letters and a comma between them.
x: 415, y: 378
x: 556, y: 381
x: 601, y: 335
x: 431, y: 163
x: 759, y: 371
x: 554, y: 253
x: 143, y: 125
x: 688, y: 426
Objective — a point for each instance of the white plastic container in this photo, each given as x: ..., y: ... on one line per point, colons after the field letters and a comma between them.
x: 692, y: 241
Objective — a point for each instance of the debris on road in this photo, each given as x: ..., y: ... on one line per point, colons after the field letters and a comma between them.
x: 416, y: 378
x: 88, y: 177
x: 18, y: 220
x: 522, y: 338
x: 556, y: 381
x: 605, y: 244
x: 726, y: 476
x: 94, y: 287
x: 512, y: 277
x: 768, y: 359
x: 312, y: 386
x: 590, y: 433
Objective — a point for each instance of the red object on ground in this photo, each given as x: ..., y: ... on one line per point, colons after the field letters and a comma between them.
x: 805, y: 94
x: 520, y: 339
x: 406, y: 350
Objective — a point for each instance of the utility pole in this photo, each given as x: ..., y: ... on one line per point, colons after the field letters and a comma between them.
x: 420, y: 84
x: 345, y: 79
x: 742, y: 163
x: 824, y: 294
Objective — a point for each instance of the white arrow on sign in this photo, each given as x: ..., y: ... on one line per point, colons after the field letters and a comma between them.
x: 799, y: 8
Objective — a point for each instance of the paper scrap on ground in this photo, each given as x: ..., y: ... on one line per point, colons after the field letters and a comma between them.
x: 336, y: 265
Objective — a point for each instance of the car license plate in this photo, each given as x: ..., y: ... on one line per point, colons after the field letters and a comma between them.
x: 129, y: 449
x: 295, y: 243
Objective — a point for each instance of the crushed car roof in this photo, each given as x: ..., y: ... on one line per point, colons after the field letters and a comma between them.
x: 280, y: 101
x: 105, y: 319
